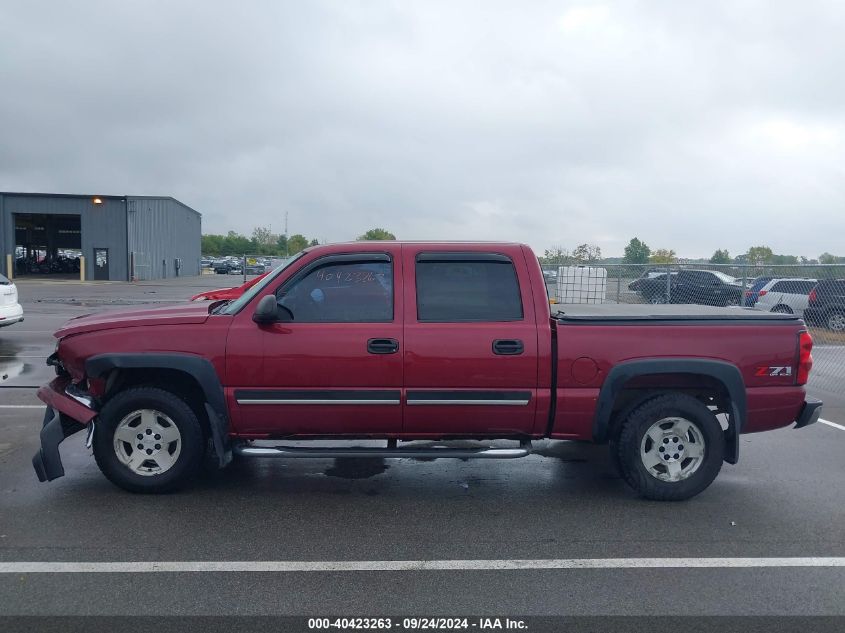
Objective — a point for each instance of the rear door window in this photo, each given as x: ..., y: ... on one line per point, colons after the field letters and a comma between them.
x: 794, y: 287
x: 462, y: 287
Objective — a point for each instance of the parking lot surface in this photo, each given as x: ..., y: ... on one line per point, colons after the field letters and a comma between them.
x: 784, y: 499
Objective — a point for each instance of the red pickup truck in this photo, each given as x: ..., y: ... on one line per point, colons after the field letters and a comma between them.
x: 416, y: 344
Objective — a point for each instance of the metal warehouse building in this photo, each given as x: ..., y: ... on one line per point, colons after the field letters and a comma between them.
x: 121, y: 237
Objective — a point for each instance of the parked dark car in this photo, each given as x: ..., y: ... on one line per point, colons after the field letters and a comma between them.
x: 753, y: 293
x: 651, y: 287
x: 705, y: 287
x: 227, y: 267
x: 826, y: 305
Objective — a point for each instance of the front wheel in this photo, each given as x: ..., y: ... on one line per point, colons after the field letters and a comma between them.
x: 670, y: 448
x: 148, y: 440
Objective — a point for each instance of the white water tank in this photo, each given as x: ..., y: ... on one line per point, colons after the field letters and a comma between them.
x: 581, y: 284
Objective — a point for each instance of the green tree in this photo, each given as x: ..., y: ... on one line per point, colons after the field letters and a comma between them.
x: 783, y: 259
x: 212, y: 244
x: 827, y: 258
x: 376, y: 234
x: 759, y: 255
x: 556, y: 256
x: 297, y: 243
x: 721, y: 257
x: 282, y: 244
x: 636, y: 252
x: 586, y: 253
x: 263, y: 236
x: 663, y: 256
x: 315, y: 242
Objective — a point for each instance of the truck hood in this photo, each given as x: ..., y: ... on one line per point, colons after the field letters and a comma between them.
x: 111, y: 319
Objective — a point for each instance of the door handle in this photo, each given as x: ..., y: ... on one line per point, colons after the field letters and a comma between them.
x: 382, y: 346
x: 508, y: 347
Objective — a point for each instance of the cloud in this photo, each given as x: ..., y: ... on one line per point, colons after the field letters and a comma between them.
x: 692, y: 126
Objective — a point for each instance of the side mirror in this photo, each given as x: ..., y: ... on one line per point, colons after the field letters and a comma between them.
x: 268, y: 311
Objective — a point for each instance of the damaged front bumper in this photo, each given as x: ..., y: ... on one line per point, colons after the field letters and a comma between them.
x: 65, y: 415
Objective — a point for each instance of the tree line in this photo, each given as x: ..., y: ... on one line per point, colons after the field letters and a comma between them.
x: 638, y: 252
x: 265, y: 242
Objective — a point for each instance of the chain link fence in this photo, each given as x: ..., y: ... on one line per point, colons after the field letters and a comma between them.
x: 815, y: 293
x: 246, y: 266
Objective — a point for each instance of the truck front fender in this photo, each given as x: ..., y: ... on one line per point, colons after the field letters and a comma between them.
x: 726, y: 374
x: 198, y: 368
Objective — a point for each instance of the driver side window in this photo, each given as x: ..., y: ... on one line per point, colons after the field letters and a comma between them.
x: 348, y: 292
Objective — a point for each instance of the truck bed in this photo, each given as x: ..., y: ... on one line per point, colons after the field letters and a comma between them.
x: 637, y: 313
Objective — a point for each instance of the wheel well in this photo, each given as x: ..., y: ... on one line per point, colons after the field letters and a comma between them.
x: 177, y: 382
x: 707, y: 389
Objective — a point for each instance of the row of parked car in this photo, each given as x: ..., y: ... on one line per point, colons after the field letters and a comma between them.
x: 820, y: 303
x: 235, y: 265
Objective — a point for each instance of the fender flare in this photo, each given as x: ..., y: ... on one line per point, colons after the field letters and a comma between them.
x: 200, y: 369
x: 725, y: 373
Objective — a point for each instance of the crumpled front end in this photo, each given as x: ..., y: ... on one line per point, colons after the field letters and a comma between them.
x: 67, y: 413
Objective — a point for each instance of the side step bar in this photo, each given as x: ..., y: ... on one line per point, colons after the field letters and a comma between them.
x: 428, y: 453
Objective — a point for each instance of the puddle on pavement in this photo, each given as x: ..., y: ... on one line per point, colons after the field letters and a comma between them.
x: 17, y: 372
x: 357, y: 467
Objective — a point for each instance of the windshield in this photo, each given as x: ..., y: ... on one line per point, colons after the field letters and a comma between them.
x: 235, y: 306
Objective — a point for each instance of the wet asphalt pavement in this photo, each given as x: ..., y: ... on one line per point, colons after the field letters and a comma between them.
x: 786, y: 498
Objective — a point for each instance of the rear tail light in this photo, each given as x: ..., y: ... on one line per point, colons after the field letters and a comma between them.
x: 811, y: 298
x: 762, y: 292
x: 805, y: 357
x: 747, y: 293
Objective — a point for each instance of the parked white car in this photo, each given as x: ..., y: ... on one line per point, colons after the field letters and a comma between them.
x: 10, y: 310
x: 785, y: 295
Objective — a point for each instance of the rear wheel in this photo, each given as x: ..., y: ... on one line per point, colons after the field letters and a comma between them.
x: 670, y: 448
x: 836, y: 321
x: 148, y: 440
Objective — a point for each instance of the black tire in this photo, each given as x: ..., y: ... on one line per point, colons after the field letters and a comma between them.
x: 628, y: 443
x: 191, y: 449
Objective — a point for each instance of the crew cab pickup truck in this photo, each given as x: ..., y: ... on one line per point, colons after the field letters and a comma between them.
x: 408, y: 346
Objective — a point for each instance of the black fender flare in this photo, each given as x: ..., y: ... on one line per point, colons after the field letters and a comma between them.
x: 725, y: 373
x: 198, y: 368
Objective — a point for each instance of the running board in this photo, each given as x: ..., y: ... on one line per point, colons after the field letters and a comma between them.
x: 427, y: 453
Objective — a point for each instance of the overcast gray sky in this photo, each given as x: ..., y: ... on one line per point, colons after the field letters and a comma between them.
x: 693, y: 125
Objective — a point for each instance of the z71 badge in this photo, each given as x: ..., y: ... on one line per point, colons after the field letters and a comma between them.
x: 774, y: 371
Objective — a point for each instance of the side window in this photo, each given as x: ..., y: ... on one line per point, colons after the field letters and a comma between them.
x: 463, y: 289
x: 794, y: 286
x: 804, y: 287
x: 348, y: 292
